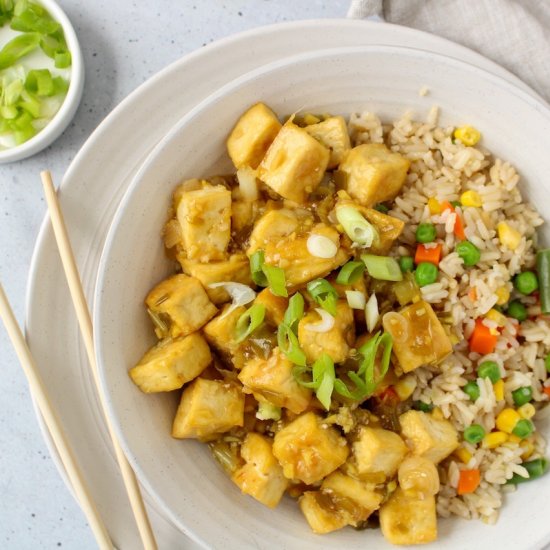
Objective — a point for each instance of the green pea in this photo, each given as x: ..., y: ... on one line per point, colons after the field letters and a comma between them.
x: 547, y: 363
x: 382, y: 208
x: 474, y: 434
x: 406, y: 263
x: 454, y: 204
x: 423, y: 406
x: 425, y: 233
x: 522, y: 395
x: 526, y: 282
x: 490, y: 370
x: 471, y: 389
x: 524, y: 428
x: 517, y: 310
x: 469, y: 253
x: 426, y: 273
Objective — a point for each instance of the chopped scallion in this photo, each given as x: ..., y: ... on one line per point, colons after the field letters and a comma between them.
x: 324, y: 294
x: 357, y: 228
x: 256, y: 265
x: 249, y: 321
x: 276, y: 280
x: 289, y: 345
x: 294, y: 312
x: 382, y: 268
x: 350, y: 273
x: 322, y: 378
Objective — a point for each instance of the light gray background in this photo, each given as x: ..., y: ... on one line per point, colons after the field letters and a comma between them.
x: 124, y: 42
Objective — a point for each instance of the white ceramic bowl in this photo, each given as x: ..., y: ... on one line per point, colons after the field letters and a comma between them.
x: 66, y: 112
x: 190, y: 487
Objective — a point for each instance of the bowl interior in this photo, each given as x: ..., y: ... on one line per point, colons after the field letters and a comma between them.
x: 191, y: 488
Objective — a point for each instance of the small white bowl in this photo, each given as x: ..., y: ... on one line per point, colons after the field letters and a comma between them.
x: 193, y: 492
x: 66, y: 112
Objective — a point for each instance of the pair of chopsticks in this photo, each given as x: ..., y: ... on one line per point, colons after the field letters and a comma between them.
x: 45, y: 406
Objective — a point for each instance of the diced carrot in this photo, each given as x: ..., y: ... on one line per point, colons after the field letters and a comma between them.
x: 459, y: 228
x: 546, y: 391
x: 388, y: 395
x: 424, y: 254
x: 447, y: 206
x: 468, y: 481
x: 472, y: 294
x: 482, y: 341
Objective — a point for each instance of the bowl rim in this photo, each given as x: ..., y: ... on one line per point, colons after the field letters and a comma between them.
x: 70, y: 104
x: 539, y: 105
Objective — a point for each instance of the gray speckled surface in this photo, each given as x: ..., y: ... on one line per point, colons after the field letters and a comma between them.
x: 124, y: 42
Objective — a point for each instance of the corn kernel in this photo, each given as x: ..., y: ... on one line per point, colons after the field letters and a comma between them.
x: 470, y: 198
x: 467, y: 135
x: 391, y: 486
x: 503, y: 295
x: 494, y: 439
x: 405, y: 387
x: 497, y: 317
x: 434, y: 206
x: 508, y: 236
x: 527, y: 411
x: 512, y: 438
x: 507, y: 420
x: 498, y: 389
x: 463, y: 455
x: 528, y: 449
x: 311, y: 119
x: 494, y: 331
x: 438, y: 413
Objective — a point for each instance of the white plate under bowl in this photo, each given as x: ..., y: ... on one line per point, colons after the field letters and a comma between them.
x: 181, y: 475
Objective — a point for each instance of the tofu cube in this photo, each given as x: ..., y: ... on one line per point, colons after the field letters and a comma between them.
x: 333, y: 134
x: 272, y: 380
x: 205, y: 219
x: 283, y: 235
x: 418, y: 336
x: 261, y: 477
x: 171, y: 364
x: 377, y: 450
x: 429, y: 437
x: 181, y: 303
x: 308, y: 449
x: 374, y: 173
x: 208, y: 408
x: 341, y: 501
x: 275, y: 306
x: 220, y: 331
x: 294, y: 164
x: 336, y: 342
x: 252, y: 136
x: 406, y: 519
x: 388, y: 228
x: 236, y: 269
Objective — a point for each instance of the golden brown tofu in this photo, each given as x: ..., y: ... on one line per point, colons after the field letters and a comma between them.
x: 205, y: 219
x: 294, y: 164
x: 388, y: 228
x: 208, y: 408
x: 336, y: 342
x: 405, y: 519
x: 171, y: 364
x: 432, y: 438
x: 377, y: 450
x: 341, y: 501
x: 374, y: 173
x: 308, y: 449
x: 252, y: 136
x: 235, y: 269
x: 272, y: 380
x: 333, y: 134
x: 181, y: 303
x: 418, y: 336
x: 283, y: 234
x: 275, y: 306
x: 261, y: 477
x: 220, y: 331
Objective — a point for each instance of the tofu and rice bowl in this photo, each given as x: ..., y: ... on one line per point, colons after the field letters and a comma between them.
x: 357, y: 319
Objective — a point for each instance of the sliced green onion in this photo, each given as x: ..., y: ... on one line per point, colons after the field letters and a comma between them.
x: 357, y: 228
x: 31, y: 104
x: 276, y: 280
x: 256, y: 264
x: 324, y: 294
x: 289, y: 345
x: 268, y: 411
x: 62, y: 59
x: 372, y: 313
x: 350, y: 273
x: 382, y: 268
x: 34, y: 19
x: 543, y: 272
x: 40, y: 81
x: 535, y: 469
x: 249, y: 321
x: 294, y: 312
x: 322, y: 378
x: 356, y: 299
x: 18, y: 47
x: 53, y: 43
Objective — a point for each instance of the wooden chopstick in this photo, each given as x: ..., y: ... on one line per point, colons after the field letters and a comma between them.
x: 51, y: 420
x: 85, y: 323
